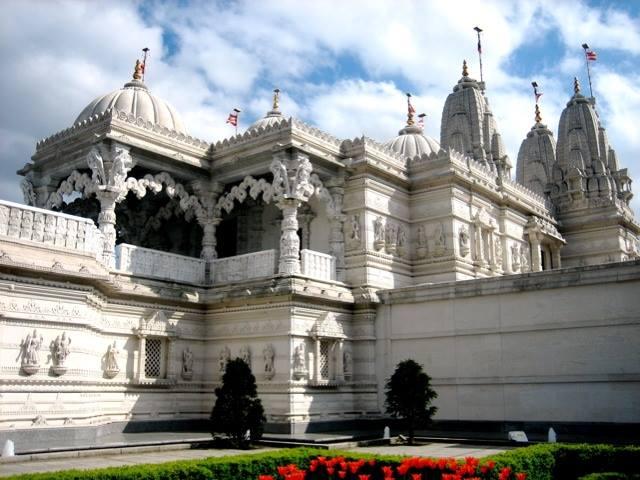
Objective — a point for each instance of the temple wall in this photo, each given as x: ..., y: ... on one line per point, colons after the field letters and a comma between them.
x: 551, y: 346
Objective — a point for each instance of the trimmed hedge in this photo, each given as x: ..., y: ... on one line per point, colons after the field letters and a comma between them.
x: 540, y: 462
x: 610, y: 476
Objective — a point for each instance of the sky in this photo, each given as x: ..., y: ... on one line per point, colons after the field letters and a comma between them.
x: 343, y: 66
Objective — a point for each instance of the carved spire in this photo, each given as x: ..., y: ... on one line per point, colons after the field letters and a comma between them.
x: 465, y: 69
x: 576, y: 85
x: 276, y: 100
x: 138, y: 70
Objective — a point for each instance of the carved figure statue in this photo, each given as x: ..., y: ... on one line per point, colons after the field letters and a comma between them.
x: 515, y: 257
x: 423, y: 245
x: 60, y: 349
x: 347, y: 363
x: 111, y: 363
x: 439, y: 240
x: 269, y: 354
x: 27, y: 192
x: 31, y: 353
x: 354, y: 236
x: 524, y: 257
x: 378, y: 233
x: 463, y: 241
x: 299, y: 363
x: 245, y: 355
x: 223, y: 358
x: 94, y: 160
x: 187, y: 363
x: 122, y: 163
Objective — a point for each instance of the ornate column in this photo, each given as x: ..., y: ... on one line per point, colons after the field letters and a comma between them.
x: 142, y: 344
x: 536, y: 259
x: 289, y: 240
x: 339, y: 374
x: 479, y: 244
x: 291, y: 186
x: 107, y: 223
x: 209, y: 241
x: 555, y: 252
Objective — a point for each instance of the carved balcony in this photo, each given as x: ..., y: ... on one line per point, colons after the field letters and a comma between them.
x: 318, y: 265
x: 244, y: 267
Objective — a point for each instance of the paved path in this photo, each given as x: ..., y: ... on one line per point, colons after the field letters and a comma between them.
x: 166, y: 455
x: 103, y: 461
x: 455, y: 450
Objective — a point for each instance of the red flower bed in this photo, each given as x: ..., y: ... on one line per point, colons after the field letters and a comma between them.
x: 322, y: 468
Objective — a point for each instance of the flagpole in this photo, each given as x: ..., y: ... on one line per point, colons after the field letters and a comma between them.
x: 478, y: 30
x: 586, y: 59
x: 144, y: 62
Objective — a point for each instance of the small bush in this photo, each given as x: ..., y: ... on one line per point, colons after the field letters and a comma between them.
x: 610, y: 476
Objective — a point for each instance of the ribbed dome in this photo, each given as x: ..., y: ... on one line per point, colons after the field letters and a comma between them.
x: 412, y: 141
x: 272, y: 117
x: 135, y: 99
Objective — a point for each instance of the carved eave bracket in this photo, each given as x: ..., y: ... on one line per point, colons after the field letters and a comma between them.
x: 326, y: 326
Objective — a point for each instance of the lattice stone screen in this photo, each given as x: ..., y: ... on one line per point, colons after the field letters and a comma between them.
x: 153, y: 358
x: 324, y: 360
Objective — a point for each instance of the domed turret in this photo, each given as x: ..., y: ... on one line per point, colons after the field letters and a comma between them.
x: 135, y: 100
x: 468, y: 125
x: 411, y: 140
x: 273, y: 116
x: 536, y: 157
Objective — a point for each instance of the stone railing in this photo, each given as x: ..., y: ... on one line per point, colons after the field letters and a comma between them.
x: 36, y: 225
x: 318, y: 265
x: 155, y: 263
x: 244, y: 267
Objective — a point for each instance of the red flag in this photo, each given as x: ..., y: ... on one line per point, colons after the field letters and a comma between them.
x: 591, y: 55
x: 233, y: 117
x: 421, y: 119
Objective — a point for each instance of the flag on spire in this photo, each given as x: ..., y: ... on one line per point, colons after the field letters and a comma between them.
x: 591, y: 55
x: 536, y: 92
x: 421, y: 119
x: 233, y: 117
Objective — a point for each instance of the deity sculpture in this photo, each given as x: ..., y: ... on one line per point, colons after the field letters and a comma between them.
x: 31, y: 353
x: 299, y: 362
x: 440, y: 245
x: 390, y: 238
x: 524, y: 257
x: 515, y: 257
x: 378, y: 233
x: 269, y: 354
x: 59, y: 352
x: 463, y: 241
x: 223, y: 359
x: 498, y: 251
x: 245, y: 355
x: 423, y: 244
x: 347, y: 363
x: 354, y: 235
x: 187, y: 364
x: 111, y: 361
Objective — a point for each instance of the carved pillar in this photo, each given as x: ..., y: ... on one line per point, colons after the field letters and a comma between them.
x: 140, y: 376
x: 289, y: 240
x: 209, y: 241
x: 557, y: 262
x: 536, y: 258
x: 316, y: 363
x: 171, y: 373
x: 479, y: 244
x: 107, y: 223
x: 339, y: 375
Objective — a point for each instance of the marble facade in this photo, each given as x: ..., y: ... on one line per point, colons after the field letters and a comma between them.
x: 144, y: 259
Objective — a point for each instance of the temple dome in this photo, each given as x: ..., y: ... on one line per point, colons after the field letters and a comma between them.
x: 273, y: 117
x: 411, y: 141
x: 135, y: 99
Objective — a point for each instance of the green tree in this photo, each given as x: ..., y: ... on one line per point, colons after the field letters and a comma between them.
x: 409, y: 395
x: 238, y: 407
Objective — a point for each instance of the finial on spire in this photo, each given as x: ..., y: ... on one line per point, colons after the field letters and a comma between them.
x: 465, y: 69
x: 576, y: 85
x: 538, y: 115
x: 276, y: 99
x: 138, y: 70
x: 410, y: 111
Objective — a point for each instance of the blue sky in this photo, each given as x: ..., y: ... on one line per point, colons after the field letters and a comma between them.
x: 342, y: 66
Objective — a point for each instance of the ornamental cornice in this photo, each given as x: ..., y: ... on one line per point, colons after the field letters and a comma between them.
x: 113, y: 114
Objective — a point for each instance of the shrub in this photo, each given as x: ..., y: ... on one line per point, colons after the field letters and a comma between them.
x: 238, y: 408
x: 409, y: 395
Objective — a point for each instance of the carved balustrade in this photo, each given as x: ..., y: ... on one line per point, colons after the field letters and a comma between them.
x: 245, y: 267
x: 155, y: 263
x: 318, y: 265
x: 52, y: 229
